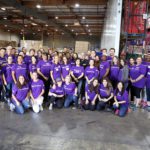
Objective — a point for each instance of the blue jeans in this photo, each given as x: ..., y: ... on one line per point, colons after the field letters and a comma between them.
x: 89, y: 106
x: 122, y: 110
x: 79, y: 85
x: 148, y: 94
x: 24, y: 105
x: 70, y: 99
x: 8, y: 90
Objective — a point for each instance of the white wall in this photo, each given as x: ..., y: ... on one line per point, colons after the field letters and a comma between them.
x: 7, y: 36
x: 111, y: 32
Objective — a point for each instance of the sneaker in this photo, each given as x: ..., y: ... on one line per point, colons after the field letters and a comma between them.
x: 11, y: 107
x: 51, y: 107
x: 74, y: 108
x: 41, y: 108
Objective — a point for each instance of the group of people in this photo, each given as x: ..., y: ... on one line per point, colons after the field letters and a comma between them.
x: 89, y: 81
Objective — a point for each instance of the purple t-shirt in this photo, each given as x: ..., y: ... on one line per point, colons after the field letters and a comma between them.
x: 3, y: 61
x: 7, y: 70
x: 70, y: 88
x: 91, y: 72
x: 57, y: 90
x: 114, y: 72
x: 65, y: 70
x: 135, y: 72
x: 91, y: 94
x: 148, y: 75
x: 103, y: 91
x: 56, y: 68
x: 22, y: 93
x: 77, y: 70
x: 123, y: 97
x: 32, y: 68
x: 103, y: 66
x: 36, y: 88
x: 20, y: 70
x: 1, y: 76
x: 44, y: 67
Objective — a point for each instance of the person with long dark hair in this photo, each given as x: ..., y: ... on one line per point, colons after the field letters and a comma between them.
x: 105, y: 96
x: 91, y: 95
x: 121, y: 98
x: 33, y: 66
x: 56, y: 95
x: 77, y: 73
x: 114, y: 71
x: 20, y: 95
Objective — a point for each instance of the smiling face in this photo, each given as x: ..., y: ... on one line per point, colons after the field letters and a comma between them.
x: 34, y: 76
x: 91, y: 62
x: 21, y: 80
x: 105, y: 83
x: 120, y: 86
x: 67, y: 79
x: 139, y: 60
x: 95, y: 82
x: 131, y: 61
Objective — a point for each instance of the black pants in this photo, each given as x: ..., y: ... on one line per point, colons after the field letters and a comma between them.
x: 89, y: 106
x: 57, y: 101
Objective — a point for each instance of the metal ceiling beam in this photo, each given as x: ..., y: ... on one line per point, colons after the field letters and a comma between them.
x: 33, y: 12
x: 65, y: 2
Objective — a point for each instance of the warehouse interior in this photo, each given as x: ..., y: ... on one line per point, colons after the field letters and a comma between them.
x: 78, y: 25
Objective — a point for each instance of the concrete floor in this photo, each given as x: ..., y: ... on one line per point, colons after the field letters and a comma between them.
x: 74, y: 130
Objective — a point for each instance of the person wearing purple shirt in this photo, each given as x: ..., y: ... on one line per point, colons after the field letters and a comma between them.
x: 121, y: 98
x: 32, y: 66
x: 104, y: 67
x: 90, y: 72
x: 114, y: 71
x: 19, y: 69
x: 91, y: 95
x: 3, y: 60
x: 20, y: 93
x: 56, y: 95
x: 28, y: 58
x: 137, y: 78
x: 7, y: 78
x: 55, y: 69
x: 70, y: 90
x: 65, y: 68
x: 36, y: 93
x: 77, y: 73
x: 43, y: 69
x: 148, y: 83
x: 105, y: 97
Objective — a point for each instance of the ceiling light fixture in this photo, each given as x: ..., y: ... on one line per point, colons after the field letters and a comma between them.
x: 56, y: 17
x: 66, y: 25
x: 3, y: 8
x: 5, y: 25
x: 8, y: 30
x: 5, y: 18
x: 87, y: 25
x: 72, y: 30
x: 46, y: 25
x: 77, y: 5
x: 83, y: 17
x: 38, y: 6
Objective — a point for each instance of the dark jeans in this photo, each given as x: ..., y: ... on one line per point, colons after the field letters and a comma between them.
x: 148, y: 94
x: 123, y: 109
x: 70, y: 99
x: 89, y: 106
x: 8, y: 90
x: 79, y: 86
x: 1, y: 98
x: 57, y: 101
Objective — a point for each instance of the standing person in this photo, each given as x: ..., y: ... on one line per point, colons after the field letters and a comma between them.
x: 39, y: 55
x: 7, y: 78
x: 111, y: 54
x: 104, y: 67
x: 77, y: 73
x: 55, y: 69
x: 36, y: 93
x: 70, y: 90
x: 56, y: 95
x: 91, y: 72
x: 91, y: 95
x: 114, y: 71
x: 105, y: 96
x: 121, y: 98
x: 19, y: 69
x: 43, y: 69
x: 20, y: 95
x: 137, y: 78
x: 1, y: 83
x: 33, y: 66
x: 27, y: 58
x: 3, y: 60
x: 123, y: 75
x: 65, y: 68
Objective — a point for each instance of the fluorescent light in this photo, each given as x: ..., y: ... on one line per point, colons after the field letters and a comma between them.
x: 46, y: 25
x: 56, y: 17
x: 66, y: 25
x: 72, y: 30
x: 89, y: 30
x: 77, y: 5
x: 87, y: 25
x: 5, y: 25
x: 34, y: 24
x: 8, y: 30
x: 83, y: 17
x: 38, y: 6
x: 56, y: 30
x: 5, y: 18
x: 3, y: 8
